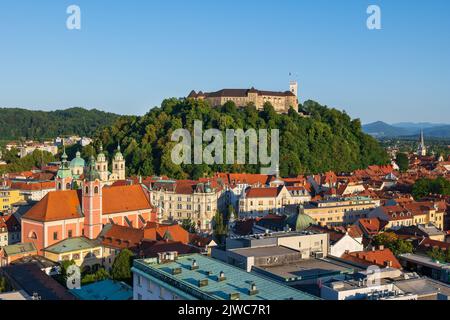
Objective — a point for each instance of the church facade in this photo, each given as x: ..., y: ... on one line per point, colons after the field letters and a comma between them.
x: 67, y: 213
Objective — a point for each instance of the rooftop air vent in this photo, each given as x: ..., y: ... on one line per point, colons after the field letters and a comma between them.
x: 253, y: 290
x: 202, y: 283
x: 176, y: 271
x: 194, y: 265
x: 234, y: 296
x: 222, y: 276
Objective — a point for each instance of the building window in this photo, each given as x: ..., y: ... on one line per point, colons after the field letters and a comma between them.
x: 86, y: 190
x: 55, y: 235
x: 96, y: 190
x: 70, y: 234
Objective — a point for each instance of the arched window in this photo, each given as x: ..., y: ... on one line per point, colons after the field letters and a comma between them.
x: 116, y: 166
x: 32, y: 235
x: 59, y: 185
x: 86, y: 190
x: 96, y: 190
x: 68, y: 186
x: 121, y: 167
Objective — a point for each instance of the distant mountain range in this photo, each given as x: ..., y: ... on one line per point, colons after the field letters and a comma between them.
x: 382, y: 129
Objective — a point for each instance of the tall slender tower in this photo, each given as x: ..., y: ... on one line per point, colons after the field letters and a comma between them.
x: 92, y: 201
x: 118, y: 164
x: 64, y: 175
x: 102, y: 165
x: 422, y: 149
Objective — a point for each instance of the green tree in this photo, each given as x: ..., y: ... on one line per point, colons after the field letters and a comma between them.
x: 189, y: 226
x: 424, y: 187
x: 220, y: 229
x: 437, y: 254
x: 392, y: 242
x: 402, y: 161
x: 4, y: 285
x: 100, y: 275
x: 121, y: 269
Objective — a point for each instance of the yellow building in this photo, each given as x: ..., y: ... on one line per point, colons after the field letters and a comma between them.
x: 409, y: 214
x: 8, y: 198
x: 339, y: 211
x: 86, y: 253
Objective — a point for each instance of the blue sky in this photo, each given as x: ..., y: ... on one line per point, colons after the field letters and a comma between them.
x: 130, y: 55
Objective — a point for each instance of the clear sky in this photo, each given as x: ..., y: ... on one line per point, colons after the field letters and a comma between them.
x: 130, y: 55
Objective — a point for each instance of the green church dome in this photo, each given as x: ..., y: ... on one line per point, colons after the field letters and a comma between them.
x: 77, y: 161
x: 300, y: 221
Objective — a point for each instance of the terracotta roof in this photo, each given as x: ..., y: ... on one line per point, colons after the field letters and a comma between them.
x: 57, y: 205
x: 33, y: 186
x: 124, y: 199
x: 121, y: 237
x: 263, y: 192
x: 380, y: 258
x: 161, y: 232
x: 62, y: 205
x: 372, y: 226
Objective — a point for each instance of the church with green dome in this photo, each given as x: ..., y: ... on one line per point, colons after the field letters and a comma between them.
x: 300, y: 221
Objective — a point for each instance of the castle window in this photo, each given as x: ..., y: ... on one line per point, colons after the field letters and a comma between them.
x: 68, y: 186
x: 86, y: 190
x: 55, y: 235
x: 116, y: 166
x: 96, y: 190
x: 59, y: 185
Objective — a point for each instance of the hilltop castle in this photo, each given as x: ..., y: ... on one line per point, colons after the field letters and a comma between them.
x: 281, y: 101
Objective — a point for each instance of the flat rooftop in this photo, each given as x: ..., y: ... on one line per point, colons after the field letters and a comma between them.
x: 264, y: 251
x: 308, y: 269
x: 104, y: 290
x: 424, y: 260
x: 423, y: 287
x: 237, y: 280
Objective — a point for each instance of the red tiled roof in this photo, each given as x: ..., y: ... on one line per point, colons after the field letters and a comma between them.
x: 161, y: 232
x: 33, y: 186
x: 124, y: 199
x: 372, y: 226
x: 377, y: 257
x: 262, y: 192
x: 427, y: 243
x: 62, y: 205
x: 57, y: 205
x: 121, y: 237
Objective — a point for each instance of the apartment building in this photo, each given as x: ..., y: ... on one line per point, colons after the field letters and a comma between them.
x: 259, y: 202
x: 185, y: 199
x: 411, y: 214
x: 338, y: 211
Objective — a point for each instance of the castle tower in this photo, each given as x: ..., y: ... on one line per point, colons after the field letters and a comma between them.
x: 422, y: 149
x: 102, y: 165
x: 118, y: 164
x: 64, y: 175
x: 92, y: 201
x: 293, y: 87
